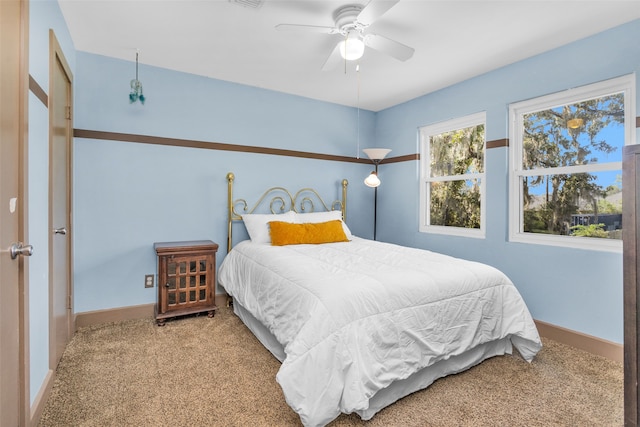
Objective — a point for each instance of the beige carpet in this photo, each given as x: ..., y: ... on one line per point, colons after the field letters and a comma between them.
x: 198, y: 371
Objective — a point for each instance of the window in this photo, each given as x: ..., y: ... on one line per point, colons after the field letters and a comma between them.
x: 452, y: 176
x: 566, y: 166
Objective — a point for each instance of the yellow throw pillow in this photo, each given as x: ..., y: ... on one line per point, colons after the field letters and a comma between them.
x: 286, y: 233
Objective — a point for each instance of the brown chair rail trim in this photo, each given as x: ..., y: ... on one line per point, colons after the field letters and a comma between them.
x: 496, y: 143
x: 37, y: 90
x: 176, y: 142
x: 157, y: 140
x: 406, y: 158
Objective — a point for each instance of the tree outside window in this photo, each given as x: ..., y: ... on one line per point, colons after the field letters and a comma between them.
x: 452, y: 190
x: 568, y: 164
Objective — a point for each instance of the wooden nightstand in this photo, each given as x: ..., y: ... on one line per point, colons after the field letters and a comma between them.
x: 186, y: 278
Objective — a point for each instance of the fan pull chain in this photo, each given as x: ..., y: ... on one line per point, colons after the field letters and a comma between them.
x: 358, y: 106
x: 346, y: 36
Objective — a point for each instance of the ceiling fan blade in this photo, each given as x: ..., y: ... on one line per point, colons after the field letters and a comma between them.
x: 374, y: 10
x: 333, y: 60
x: 306, y: 28
x: 388, y: 46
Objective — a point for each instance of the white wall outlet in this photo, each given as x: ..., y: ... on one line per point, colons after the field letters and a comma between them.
x: 148, y: 280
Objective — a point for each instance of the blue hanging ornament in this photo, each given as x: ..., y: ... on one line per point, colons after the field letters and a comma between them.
x: 136, y: 88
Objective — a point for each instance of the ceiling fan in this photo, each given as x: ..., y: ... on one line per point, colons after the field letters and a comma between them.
x: 352, y: 22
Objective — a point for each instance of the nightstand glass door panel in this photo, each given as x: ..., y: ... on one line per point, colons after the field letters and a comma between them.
x: 191, y: 275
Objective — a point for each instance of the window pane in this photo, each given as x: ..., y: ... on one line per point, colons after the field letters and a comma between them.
x: 457, y: 152
x: 575, y: 134
x: 582, y: 204
x: 455, y: 203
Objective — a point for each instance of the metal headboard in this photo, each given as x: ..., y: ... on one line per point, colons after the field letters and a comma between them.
x: 280, y: 200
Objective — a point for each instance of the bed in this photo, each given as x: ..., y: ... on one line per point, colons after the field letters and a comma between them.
x: 356, y: 323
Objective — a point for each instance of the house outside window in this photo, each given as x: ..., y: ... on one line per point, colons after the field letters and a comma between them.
x: 566, y: 166
x: 452, y: 184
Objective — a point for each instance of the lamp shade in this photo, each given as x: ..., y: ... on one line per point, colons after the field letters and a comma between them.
x: 372, y: 180
x: 376, y: 153
x: 352, y: 47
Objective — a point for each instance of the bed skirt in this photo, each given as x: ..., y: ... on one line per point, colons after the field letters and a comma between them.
x: 401, y: 388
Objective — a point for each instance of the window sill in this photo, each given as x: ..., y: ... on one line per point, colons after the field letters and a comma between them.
x: 586, y: 243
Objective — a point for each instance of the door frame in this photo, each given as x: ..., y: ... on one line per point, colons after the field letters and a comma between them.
x: 14, y: 34
x: 56, y: 55
x: 631, y: 274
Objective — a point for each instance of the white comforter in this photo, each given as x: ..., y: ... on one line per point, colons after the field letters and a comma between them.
x: 354, y: 317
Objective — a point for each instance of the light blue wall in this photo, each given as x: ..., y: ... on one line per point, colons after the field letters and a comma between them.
x: 128, y: 196
x: 43, y: 16
x: 576, y: 289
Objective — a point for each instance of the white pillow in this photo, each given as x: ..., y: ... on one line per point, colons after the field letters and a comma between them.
x: 315, y: 217
x: 258, y: 224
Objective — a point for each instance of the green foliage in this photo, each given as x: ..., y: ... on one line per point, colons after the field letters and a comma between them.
x: 605, y: 207
x: 456, y: 202
x: 591, y: 230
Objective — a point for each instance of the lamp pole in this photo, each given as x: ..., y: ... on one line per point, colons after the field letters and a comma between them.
x: 376, y: 155
x: 375, y: 205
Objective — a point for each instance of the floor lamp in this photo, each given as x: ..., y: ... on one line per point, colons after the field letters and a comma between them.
x: 376, y: 155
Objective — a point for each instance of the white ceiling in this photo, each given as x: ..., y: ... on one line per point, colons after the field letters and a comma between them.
x: 453, y: 40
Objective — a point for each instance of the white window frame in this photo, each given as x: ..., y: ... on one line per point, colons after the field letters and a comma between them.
x: 424, y: 134
x: 625, y: 85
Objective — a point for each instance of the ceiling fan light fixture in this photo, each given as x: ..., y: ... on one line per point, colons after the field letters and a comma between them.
x: 352, y: 47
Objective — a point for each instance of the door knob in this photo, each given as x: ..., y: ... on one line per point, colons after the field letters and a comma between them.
x: 20, y: 249
x: 61, y: 230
